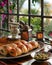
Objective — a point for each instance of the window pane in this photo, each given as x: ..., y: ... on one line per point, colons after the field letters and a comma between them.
x: 23, y: 6
x: 48, y: 7
x: 36, y: 7
x: 0, y: 21
x: 3, y: 6
x: 3, y: 23
x: 12, y: 6
x: 24, y: 19
x: 47, y: 26
x: 36, y: 22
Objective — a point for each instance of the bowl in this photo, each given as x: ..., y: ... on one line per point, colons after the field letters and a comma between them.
x: 42, y: 56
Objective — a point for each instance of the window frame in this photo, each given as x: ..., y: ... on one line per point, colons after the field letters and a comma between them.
x: 42, y: 16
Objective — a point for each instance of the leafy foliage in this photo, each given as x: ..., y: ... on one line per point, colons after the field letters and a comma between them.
x: 36, y: 24
x: 34, y: 11
x: 47, y: 27
x: 35, y: 1
x: 21, y: 3
x: 23, y: 18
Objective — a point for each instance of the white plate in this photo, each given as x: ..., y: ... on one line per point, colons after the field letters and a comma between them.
x: 17, y: 37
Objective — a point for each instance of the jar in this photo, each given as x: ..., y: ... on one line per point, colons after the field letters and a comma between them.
x: 14, y: 31
x: 26, y: 34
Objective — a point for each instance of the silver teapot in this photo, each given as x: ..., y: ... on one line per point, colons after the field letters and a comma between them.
x: 14, y: 31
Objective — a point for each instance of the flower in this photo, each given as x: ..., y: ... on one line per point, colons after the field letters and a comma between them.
x: 3, y: 9
x: 10, y: 11
x: 3, y: 17
x: 3, y: 3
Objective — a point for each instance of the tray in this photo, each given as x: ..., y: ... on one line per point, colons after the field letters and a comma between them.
x: 29, y: 53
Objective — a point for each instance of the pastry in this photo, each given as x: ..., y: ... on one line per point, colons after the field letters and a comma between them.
x: 34, y: 44
x: 29, y: 46
x: 15, y: 52
x: 3, y: 51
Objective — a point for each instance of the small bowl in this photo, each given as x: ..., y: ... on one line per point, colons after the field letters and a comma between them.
x: 42, y: 56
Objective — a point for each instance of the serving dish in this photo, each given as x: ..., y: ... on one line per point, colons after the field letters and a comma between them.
x: 42, y: 56
x: 25, y: 54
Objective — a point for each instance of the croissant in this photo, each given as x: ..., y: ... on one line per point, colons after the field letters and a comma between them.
x: 15, y: 52
x: 23, y: 42
x: 28, y: 45
x: 7, y: 47
x: 13, y: 45
x: 23, y: 48
x: 3, y: 51
x: 34, y: 44
x: 18, y: 43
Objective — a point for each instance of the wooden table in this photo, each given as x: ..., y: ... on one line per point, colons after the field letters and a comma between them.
x: 27, y: 61
x: 19, y: 61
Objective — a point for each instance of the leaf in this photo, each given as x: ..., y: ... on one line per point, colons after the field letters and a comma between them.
x: 13, y: 5
x: 5, y: 9
x: 33, y: 1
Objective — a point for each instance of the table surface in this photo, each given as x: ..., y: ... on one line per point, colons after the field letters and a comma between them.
x: 25, y: 61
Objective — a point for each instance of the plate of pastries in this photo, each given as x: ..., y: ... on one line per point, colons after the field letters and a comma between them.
x: 18, y: 48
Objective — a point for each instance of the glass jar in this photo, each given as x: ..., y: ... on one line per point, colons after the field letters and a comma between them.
x: 26, y: 34
x: 14, y: 31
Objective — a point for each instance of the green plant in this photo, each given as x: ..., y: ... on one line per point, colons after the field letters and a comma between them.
x: 24, y: 11
x: 36, y: 24
x: 47, y: 27
x: 34, y: 11
x: 23, y: 18
x: 35, y: 1
x: 34, y: 20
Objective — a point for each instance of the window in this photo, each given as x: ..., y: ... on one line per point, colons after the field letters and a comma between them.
x: 47, y: 18
x: 33, y: 12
